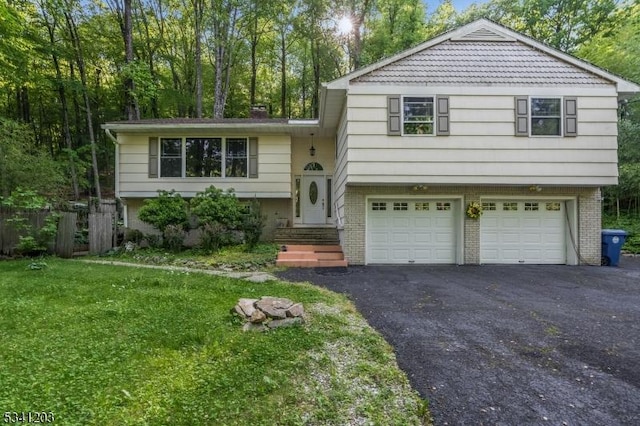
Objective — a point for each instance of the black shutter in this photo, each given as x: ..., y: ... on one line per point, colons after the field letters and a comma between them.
x: 442, y: 114
x: 394, y: 120
x: 522, y: 116
x: 153, y: 157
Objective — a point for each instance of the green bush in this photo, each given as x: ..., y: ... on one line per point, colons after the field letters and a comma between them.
x: 252, y: 225
x: 219, y: 214
x: 628, y: 223
x: 174, y: 237
x: 31, y: 240
x: 216, y: 206
x: 169, y: 208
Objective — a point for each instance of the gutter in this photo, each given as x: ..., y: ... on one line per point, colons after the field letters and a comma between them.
x: 117, y: 165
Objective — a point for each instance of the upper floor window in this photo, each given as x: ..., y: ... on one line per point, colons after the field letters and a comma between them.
x: 417, y: 115
x: 546, y: 116
x: 204, y: 157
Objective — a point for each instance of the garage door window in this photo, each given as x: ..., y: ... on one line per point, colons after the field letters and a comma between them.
x: 531, y: 207
x: 379, y: 206
x: 400, y: 206
x: 510, y: 207
x: 443, y: 206
x: 489, y: 206
x: 422, y: 207
x: 553, y: 207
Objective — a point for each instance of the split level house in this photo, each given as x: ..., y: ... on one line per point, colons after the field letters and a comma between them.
x: 401, y: 148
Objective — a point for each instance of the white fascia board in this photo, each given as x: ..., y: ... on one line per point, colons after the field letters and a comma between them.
x: 373, y: 89
x: 191, y: 194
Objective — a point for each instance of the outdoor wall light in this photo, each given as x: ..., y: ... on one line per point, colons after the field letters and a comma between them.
x: 535, y: 188
x: 312, y: 150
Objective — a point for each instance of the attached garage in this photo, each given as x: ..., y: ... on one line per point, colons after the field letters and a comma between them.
x: 523, y: 231
x: 411, y: 231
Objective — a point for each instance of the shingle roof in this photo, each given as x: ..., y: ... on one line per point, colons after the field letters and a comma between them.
x: 467, y: 63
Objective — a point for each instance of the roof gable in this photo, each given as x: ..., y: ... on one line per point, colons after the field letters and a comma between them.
x: 487, y: 32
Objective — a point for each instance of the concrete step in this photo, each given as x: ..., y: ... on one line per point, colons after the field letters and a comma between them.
x: 311, y: 256
x: 311, y: 263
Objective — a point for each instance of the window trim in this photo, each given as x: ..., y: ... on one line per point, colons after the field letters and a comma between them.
x: 183, y: 162
x: 434, y: 105
x: 560, y: 116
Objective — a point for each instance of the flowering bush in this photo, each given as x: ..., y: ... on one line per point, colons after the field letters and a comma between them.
x: 474, y: 210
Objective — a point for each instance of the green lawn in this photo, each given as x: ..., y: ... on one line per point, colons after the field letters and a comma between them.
x: 106, y: 345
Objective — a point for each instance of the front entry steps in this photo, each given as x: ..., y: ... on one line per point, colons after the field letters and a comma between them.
x: 311, y: 256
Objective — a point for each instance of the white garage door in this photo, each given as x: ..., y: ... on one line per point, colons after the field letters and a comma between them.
x: 410, y: 231
x: 523, y: 232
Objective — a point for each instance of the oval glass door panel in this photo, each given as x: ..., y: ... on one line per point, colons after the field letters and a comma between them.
x: 313, y: 192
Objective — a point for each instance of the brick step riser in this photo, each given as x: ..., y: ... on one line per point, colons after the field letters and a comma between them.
x: 285, y: 255
x: 306, y: 263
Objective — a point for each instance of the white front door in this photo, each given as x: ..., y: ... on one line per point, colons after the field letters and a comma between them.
x: 313, y: 199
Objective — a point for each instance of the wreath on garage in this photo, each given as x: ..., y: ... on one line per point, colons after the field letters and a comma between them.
x: 474, y: 210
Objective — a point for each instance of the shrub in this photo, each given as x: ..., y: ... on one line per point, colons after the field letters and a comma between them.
x: 169, y: 208
x: 174, y: 237
x: 218, y: 215
x: 252, y: 225
x: 215, y: 205
x: 134, y: 235
x: 31, y: 240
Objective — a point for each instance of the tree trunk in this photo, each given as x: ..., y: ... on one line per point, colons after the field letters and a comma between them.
x: 131, y: 103
x: 283, y: 75
x: 75, y: 40
x: 198, y: 10
x: 65, y: 113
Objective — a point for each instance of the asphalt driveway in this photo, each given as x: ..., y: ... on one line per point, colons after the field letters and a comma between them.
x: 507, y: 345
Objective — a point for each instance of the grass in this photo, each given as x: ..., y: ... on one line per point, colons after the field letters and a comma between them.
x: 631, y: 224
x: 105, y: 345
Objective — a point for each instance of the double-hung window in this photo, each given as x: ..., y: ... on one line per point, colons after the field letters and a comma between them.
x: 417, y: 115
x: 204, y: 157
x: 546, y: 117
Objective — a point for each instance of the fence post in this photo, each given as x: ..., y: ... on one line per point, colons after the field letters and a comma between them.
x: 65, y: 237
x: 100, y: 232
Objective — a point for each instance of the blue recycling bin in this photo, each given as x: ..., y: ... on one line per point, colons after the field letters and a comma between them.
x: 612, y: 241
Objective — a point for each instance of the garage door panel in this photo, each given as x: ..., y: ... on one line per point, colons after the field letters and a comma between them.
x: 415, y: 232
x: 525, y: 233
x: 422, y: 238
x: 400, y: 238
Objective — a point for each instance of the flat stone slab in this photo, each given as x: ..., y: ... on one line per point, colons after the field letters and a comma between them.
x: 274, y: 307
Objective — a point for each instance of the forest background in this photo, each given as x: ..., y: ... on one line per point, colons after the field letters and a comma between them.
x: 68, y: 66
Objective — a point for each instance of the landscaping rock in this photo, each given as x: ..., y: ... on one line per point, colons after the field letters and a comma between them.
x: 268, y: 312
x: 257, y: 317
x: 274, y: 307
x: 247, y: 306
x: 287, y: 322
x: 295, y: 310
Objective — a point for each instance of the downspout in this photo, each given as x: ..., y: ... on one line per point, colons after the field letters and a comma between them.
x: 117, y: 173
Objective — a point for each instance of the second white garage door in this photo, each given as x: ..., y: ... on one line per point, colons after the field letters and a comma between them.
x: 523, y: 232
x: 411, y: 231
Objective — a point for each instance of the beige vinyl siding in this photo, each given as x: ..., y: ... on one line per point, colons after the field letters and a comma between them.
x: 482, y: 147
x: 340, y: 174
x: 274, y: 171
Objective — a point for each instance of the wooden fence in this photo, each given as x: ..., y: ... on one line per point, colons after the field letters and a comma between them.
x: 102, y: 230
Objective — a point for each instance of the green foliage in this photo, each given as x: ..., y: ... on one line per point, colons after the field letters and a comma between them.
x: 26, y: 204
x: 168, y: 208
x: 173, y: 237
x: 23, y: 163
x: 217, y: 206
x: 629, y: 223
x: 106, y: 345
x: 252, y: 225
x: 218, y: 213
